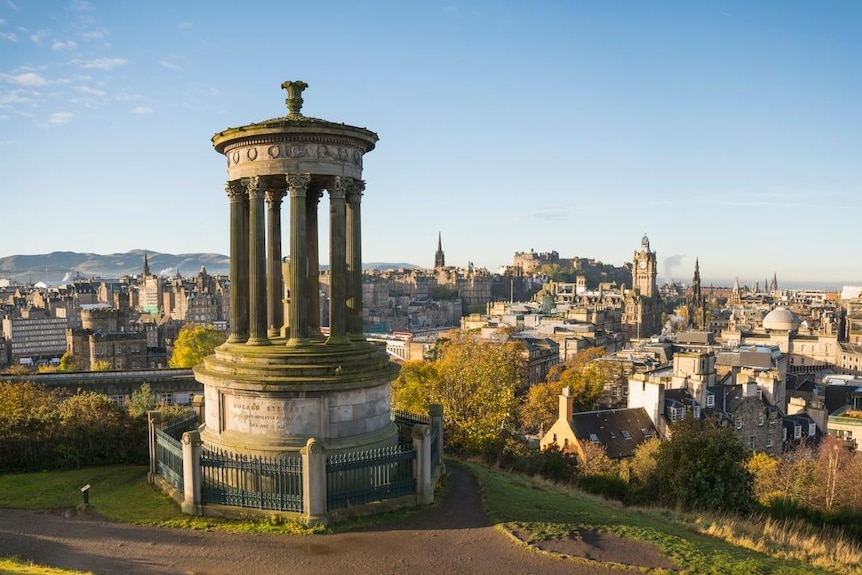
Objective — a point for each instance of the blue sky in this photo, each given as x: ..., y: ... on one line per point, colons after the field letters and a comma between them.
x: 726, y: 131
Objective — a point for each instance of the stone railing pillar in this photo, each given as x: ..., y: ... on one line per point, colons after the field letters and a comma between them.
x: 154, y: 419
x: 198, y: 406
x: 436, y: 413
x: 192, y: 478
x: 422, y: 465
x: 314, y: 483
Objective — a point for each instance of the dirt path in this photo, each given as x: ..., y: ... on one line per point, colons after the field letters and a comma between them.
x: 451, y: 537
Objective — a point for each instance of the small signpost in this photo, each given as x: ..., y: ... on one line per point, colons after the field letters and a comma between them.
x: 85, y: 491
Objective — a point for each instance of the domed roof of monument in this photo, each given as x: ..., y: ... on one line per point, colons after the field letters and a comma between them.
x: 296, y: 122
x: 781, y: 319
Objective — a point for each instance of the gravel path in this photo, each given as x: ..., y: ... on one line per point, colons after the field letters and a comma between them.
x: 450, y: 537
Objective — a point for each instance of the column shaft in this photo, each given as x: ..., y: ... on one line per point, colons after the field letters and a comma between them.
x: 312, y: 200
x: 257, y: 264
x: 338, y: 260
x: 299, y: 332
x: 275, y: 287
x: 236, y: 195
x: 354, y: 262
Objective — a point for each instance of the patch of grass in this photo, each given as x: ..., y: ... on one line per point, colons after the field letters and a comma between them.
x: 13, y: 566
x: 121, y: 493
x: 552, y: 511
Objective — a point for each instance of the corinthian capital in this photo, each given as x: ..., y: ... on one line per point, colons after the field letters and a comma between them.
x: 255, y: 189
x: 354, y: 193
x: 298, y: 183
x: 235, y: 191
x: 341, y: 186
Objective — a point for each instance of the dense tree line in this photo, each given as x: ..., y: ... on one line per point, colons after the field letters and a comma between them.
x: 43, y: 429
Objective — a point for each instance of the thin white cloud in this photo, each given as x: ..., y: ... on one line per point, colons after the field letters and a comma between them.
x: 94, y: 34
x: 12, y: 5
x: 126, y: 97
x: 91, y: 91
x: 185, y: 25
x: 2, y: 21
x: 37, y: 37
x: 5, y: 142
x: 9, y: 99
x: 58, y: 45
x: 59, y: 118
x: 142, y: 110
x: 80, y: 6
x: 25, y: 79
x: 8, y: 36
x: 101, y: 63
x: 170, y: 65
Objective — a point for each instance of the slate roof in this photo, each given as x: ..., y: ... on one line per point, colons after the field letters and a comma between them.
x: 620, y: 431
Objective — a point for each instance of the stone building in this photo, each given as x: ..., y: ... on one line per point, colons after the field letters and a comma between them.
x: 643, y: 304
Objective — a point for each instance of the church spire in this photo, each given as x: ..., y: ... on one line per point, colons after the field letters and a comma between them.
x: 146, y: 265
x: 439, y: 258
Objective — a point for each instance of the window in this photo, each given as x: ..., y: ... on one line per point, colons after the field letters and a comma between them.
x: 784, y: 436
x: 739, y: 422
x: 710, y: 400
x: 626, y: 434
x: 797, y: 431
x: 769, y: 440
x: 761, y: 420
x: 812, y: 429
x: 594, y: 438
x: 167, y: 398
x: 751, y: 441
x: 695, y: 410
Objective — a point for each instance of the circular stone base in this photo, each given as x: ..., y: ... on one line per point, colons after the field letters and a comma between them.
x: 270, y: 399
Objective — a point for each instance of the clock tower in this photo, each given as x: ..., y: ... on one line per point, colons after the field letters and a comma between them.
x: 644, y: 270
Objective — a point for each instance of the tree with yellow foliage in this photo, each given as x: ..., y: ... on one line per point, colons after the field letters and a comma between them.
x: 194, y: 343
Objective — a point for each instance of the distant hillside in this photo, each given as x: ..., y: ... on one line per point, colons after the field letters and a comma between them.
x: 61, y: 267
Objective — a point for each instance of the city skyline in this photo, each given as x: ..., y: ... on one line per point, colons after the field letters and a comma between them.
x: 725, y: 131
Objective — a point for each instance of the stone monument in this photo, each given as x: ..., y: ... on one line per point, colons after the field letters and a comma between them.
x: 279, y: 380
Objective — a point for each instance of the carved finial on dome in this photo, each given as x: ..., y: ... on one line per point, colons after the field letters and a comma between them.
x: 294, y: 97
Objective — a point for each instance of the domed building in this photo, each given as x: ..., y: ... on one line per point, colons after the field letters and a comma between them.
x: 781, y: 319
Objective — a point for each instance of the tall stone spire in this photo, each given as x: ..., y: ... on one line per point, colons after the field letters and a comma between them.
x: 439, y: 258
x: 146, y: 265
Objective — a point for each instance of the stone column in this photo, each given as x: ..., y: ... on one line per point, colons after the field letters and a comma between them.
x: 314, y: 482
x: 422, y: 465
x: 354, y: 262
x: 313, y: 293
x: 154, y: 419
x: 338, y: 260
x: 257, y: 264
x: 299, y: 332
x: 275, y: 307
x: 238, y: 242
x: 192, y: 477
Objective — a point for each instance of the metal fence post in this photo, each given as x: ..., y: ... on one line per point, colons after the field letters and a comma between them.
x: 314, y: 483
x: 422, y: 469
x: 154, y: 419
x: 192, y: 473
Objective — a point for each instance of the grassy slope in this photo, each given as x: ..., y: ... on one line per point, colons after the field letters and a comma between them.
x: 121, y: 493
x: 548, y: 512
